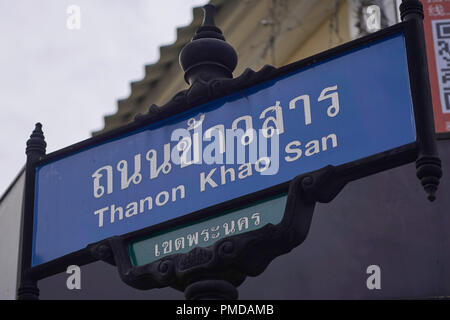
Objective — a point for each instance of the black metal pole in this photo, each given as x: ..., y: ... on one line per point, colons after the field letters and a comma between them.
x: 211, y: 290
x: 428, y: 164
x: 28, y: 289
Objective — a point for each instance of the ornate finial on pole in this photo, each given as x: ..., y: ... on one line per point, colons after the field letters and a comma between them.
x: 208, y: 56
x: 428, y: 164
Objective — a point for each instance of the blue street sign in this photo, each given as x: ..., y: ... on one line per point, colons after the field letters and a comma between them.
x: 345, y: 108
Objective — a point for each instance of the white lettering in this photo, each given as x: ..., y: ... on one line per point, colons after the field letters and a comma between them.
x: 291, y: 148
x: 158, y: 201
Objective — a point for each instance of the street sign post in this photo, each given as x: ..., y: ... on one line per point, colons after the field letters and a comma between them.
x: 196, y: 189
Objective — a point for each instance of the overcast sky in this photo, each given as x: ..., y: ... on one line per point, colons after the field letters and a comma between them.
x: 68, y: 79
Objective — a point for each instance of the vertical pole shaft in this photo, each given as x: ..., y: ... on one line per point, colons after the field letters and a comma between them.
x: 211, y: 290
x: 428, y: 164
x: 28, y: 289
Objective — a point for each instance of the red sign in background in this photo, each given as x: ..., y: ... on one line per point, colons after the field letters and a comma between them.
x: 437, y: 36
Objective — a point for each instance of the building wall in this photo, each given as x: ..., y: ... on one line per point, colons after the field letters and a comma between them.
x: 10, y: 219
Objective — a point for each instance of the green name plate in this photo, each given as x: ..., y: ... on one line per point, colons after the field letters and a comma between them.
x: 206, y: 232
